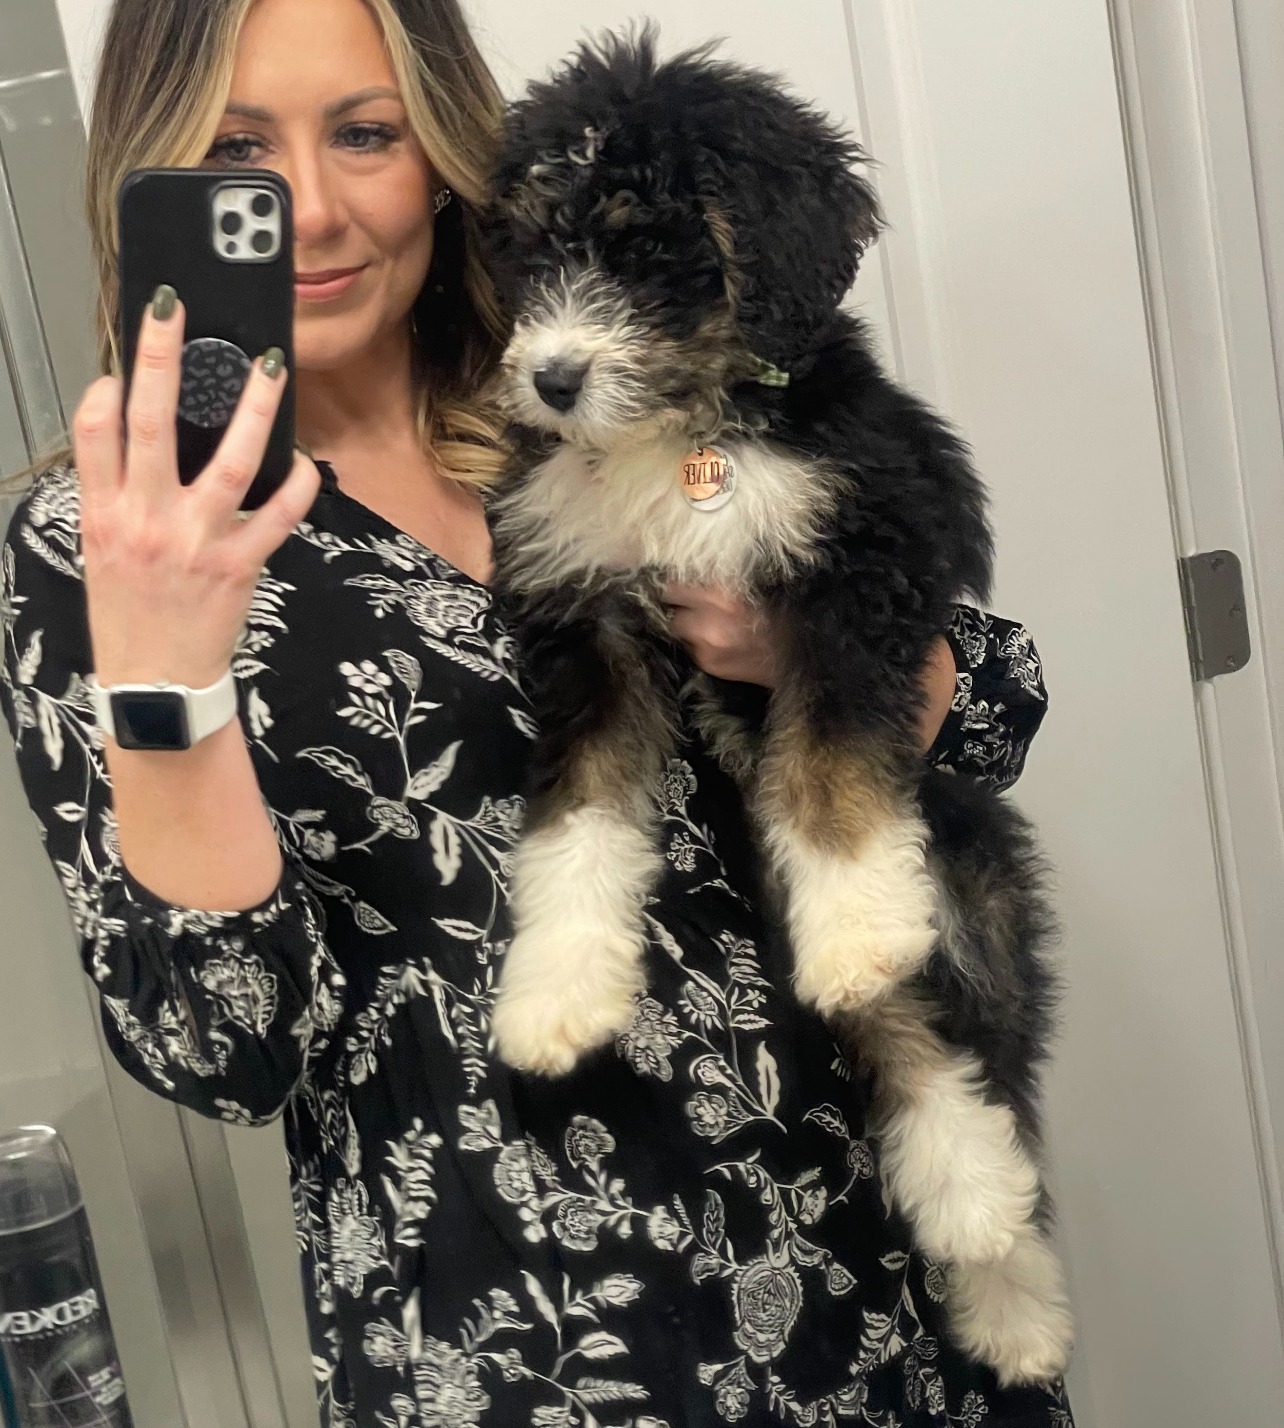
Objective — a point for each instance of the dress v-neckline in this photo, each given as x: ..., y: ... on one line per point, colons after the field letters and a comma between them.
x: 330, y: 486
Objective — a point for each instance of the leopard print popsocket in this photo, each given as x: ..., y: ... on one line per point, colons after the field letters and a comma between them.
x: 214, y: 376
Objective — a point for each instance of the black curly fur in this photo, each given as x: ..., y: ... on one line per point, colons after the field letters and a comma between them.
x: 993, y: 987
x: 693, y: 125
x: 908, y: 537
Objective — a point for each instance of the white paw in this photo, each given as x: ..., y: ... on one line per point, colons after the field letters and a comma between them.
x: 848, y: 959
x: 1013, y: 1313
x: 545, y: 1019
x: 971, y: 1192
x: 862, y: 924
x: 575, y: 963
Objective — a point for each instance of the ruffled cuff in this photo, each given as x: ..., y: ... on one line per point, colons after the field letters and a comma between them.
x: 999, y: 700
x: 223, y: 1011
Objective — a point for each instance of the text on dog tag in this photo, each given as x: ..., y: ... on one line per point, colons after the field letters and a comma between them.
x: 707, y: 478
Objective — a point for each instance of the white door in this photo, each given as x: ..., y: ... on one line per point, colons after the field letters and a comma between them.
x: 1009, y: 291
x: 1206, y: 115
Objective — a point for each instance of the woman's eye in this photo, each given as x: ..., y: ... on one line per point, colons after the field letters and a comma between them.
x: 234, y: 150
x: 367, y: 138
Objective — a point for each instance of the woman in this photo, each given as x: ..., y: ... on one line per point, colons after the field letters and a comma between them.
x: 306, y: 911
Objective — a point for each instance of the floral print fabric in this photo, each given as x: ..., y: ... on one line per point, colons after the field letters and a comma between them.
x: 690, y: 1229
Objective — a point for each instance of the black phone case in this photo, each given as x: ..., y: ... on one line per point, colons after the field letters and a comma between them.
x: 166, y: 236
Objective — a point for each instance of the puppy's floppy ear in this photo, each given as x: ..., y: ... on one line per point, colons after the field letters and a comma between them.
x: 783, y: 194
x: 718, y: 222
x: 864, y: 216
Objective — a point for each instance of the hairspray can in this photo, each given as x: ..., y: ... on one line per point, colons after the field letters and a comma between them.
x: 58, y: 1363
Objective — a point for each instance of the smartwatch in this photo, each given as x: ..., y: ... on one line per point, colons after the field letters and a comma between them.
x: 163, y: 715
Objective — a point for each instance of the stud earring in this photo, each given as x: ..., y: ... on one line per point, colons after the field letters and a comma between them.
x: 444, y: 196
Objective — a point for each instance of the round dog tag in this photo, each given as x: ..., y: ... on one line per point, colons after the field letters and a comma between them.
x: 214, y: 374
x: 707, y: 478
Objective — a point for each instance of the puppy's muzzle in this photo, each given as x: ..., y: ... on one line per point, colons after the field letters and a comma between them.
x: 559, y: 384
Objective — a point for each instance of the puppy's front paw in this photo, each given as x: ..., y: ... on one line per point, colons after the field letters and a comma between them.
x: 860, y: 928
x: 855, y: 958
x: 544, y: 1021
x: 861, y: 925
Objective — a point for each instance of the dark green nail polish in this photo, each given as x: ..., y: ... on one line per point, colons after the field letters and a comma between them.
x: 273, y: 363
x: 164, y: 300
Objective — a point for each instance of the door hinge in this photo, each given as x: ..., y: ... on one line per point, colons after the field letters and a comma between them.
x: 1212, y: 587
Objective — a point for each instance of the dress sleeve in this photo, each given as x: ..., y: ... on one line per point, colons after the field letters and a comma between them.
x: 224, y: 1012
x: 999, y: 699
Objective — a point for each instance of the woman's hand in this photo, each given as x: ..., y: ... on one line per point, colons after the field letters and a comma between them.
x: 938, y: 681
x: 725, y: 635
x: 170, y: 570
x: 731, y: 639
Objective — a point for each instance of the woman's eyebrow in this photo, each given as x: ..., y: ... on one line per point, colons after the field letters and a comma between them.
x: 249, y: 111
x: 362, y: 96
x: 332, y: 111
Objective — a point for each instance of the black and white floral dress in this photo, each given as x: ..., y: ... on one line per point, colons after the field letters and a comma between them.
x: 687, y: 1231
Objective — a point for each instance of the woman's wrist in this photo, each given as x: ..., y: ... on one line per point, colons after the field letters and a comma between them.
x: 937, y: 682
x: 735, y: 641
x: 192, y: 824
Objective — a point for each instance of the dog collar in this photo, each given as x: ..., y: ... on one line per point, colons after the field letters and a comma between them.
x: 766, y: 374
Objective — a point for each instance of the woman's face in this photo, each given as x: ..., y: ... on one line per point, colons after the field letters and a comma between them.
x: 314, y: 97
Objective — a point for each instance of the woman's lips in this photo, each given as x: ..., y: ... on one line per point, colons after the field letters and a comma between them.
x: 323, y: 286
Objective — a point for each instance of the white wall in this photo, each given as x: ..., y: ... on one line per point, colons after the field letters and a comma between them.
x: 1035, y: 336
x: 82, y: 25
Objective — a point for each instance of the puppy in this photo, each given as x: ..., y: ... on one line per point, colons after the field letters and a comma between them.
x: 689, y: 401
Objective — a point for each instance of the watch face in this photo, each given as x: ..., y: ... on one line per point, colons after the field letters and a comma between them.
x: 150, y: 721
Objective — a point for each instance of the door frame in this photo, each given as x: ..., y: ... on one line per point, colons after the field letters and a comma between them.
x: 1202, y: 234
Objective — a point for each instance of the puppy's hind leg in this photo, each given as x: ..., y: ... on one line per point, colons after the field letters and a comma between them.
x: 848, y: 845
x: 962, y: 1175
x: 728, y: 734
x: 952, y: 1157
x: 993, y: 986
x: 1014, y: 1313
x: 584, y: 866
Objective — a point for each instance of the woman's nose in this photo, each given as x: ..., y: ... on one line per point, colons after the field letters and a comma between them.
x: 318, y: 207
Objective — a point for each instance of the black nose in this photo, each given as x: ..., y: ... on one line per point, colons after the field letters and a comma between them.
x: 559, y: 384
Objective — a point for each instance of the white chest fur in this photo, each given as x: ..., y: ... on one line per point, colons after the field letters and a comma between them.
x: 574, y: 517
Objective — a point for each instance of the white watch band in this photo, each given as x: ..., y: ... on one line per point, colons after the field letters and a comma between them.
x: 207, y: 709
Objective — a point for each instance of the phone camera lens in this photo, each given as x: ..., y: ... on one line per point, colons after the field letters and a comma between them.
x: 262, y: 241
x: 263, y: 205
x: 231, y: 223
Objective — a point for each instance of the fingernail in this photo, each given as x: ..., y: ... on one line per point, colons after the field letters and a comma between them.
x: 273, y: 363
x: 164, y: 300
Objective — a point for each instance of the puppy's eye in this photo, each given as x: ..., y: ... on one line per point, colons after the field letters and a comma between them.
x: 625, y: 209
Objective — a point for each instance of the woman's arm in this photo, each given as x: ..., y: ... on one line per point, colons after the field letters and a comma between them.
x: 983, y: 691
x: 999, y: 699
x: 169, y: 572
x: 223, y: 1011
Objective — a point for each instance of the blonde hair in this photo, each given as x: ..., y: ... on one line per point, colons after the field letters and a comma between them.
x: 163, y: 83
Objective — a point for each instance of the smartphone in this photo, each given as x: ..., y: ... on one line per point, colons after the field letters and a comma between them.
x: 224, y: 241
